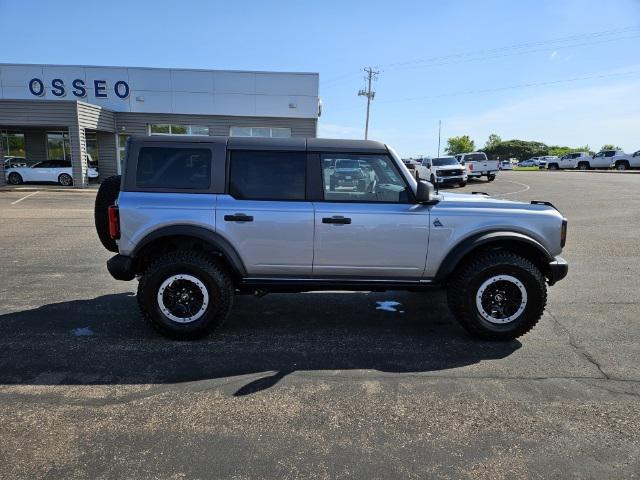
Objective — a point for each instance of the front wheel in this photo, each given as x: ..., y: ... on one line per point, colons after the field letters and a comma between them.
x: 65, y: 180
x: 498, y: 296
x: 185, y: 295
x: 15, y: 178
x: 462, y: 184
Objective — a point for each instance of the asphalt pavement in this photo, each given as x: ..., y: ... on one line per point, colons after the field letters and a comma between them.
x: 319, y: 385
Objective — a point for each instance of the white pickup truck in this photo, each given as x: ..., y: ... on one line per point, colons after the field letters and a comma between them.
x: 625, y: 161
x: 478, y: 165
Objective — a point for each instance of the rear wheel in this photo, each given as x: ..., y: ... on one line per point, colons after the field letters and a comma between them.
x: 491, y: 178
x: 462, y: 184
x: 621, y: 166
x: 14, y: 178
x: 583, y: 166
x: 185, y: 295
x: 554, y: 166
x: 498, y: 296
x: 65, y: 180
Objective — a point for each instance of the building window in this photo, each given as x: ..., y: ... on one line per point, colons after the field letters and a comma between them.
x: 122, y: 149
x: 91, y: 140
x: 13, y: 144
x: 166, y: 129
x: 58, y: 146
x: 260, y: 132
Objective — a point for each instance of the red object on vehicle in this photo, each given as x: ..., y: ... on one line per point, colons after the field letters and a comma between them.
x: 471, y: 166
x: 114, y: 222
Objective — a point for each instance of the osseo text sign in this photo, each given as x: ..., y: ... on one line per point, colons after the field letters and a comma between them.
x: 78, y: 88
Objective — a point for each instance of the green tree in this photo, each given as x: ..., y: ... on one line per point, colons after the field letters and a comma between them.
x: 610, y: 146
x: 461, y: 144
x: 493, y: 141
x: 520, y: 149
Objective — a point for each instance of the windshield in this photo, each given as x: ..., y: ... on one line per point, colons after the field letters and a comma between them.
x: 351, y: 164
x: 441, y: 162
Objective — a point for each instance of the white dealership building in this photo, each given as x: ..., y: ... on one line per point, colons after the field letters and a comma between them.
x: 76, y: 113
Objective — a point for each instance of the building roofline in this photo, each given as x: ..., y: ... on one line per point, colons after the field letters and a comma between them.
x: 155, y: 68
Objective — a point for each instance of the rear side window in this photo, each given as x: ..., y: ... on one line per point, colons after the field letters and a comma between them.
x: 174, y: 168
x: 267, y: 175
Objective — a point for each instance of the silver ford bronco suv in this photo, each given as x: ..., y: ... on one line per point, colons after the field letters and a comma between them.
x: 199, y: 220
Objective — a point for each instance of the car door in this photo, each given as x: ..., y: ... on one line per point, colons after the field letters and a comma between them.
x: 265, y: 214
x: 376, y: 231
x: 37, y: 173
x: 602, y: 159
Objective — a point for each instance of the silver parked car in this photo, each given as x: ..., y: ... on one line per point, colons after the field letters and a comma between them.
x: 200, y: 220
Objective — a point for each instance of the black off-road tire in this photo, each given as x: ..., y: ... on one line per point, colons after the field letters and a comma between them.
x: 553, y: 166
x: 583, y: 166
x: 491, y: 178
x: 211, y: 273
x: 15, y: 179
x: 466, y: 281
x: 107, y: 196
x: 462, y: 184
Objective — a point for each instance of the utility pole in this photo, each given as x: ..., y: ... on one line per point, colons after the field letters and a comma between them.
x: 439, y: 130
x: 371, y: 76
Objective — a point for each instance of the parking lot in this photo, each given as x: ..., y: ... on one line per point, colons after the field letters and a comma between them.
x: 319, y: 385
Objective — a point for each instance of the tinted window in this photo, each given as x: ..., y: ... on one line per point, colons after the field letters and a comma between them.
x: 256, y: 175
x: 442, y: 161
x: 475, y: 157
x: 376, y: 179
x: 179, y: 168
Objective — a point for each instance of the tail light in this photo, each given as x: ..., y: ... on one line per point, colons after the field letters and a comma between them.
x: 563, y: 233
x: 471, y: 166
x: 114, y: 222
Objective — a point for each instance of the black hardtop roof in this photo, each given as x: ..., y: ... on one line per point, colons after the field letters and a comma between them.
x: 290, y: 143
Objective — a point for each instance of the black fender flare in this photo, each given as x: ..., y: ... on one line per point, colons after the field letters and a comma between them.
x: 473, y: 242
x: 215, y: 240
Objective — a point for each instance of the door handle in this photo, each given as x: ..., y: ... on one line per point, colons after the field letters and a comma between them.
x: 238, y: 217
x: 337, y: 220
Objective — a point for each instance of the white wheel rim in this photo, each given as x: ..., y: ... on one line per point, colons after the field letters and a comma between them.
x: 490, y: 282
x: 162, y: 304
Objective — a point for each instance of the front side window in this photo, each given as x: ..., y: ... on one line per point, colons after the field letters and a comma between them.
x: 362, y: 178
x: 260, y: 132
x: 174, y: 168
x: 267, y: 175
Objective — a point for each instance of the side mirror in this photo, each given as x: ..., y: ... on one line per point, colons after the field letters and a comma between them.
x: 425, y: 193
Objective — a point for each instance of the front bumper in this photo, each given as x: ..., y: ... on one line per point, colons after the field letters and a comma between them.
x: 452, y: 179
x: 121, y: 267
x: 558, y: 269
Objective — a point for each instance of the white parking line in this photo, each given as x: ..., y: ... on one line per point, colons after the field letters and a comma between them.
x: 526, y: 187
x: 25, y: 197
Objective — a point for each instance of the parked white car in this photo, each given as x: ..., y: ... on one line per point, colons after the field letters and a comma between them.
x: 603, y: 159
x: 505, y: 165
x: 442, y: 170
x: 625, y: 161
x: 478, y: 165
x: 58, y: 171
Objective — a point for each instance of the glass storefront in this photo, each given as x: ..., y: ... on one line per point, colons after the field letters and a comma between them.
x: 91, y: 139
x: 13, y: 144
x: 58, y: 146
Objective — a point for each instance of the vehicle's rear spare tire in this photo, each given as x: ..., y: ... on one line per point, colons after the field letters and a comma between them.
x: 107, y: 196
x: 185, y: 294
x: 498, y: 296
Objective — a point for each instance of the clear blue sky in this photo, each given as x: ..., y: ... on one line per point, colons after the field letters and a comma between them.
x: 431, y: 53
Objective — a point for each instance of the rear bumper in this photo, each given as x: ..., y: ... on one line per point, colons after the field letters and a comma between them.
x: 121, y: 267
x: 558, y: 269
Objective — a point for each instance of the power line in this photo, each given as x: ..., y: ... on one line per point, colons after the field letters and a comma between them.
x: 372, y: 75
x: 494, y: 52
